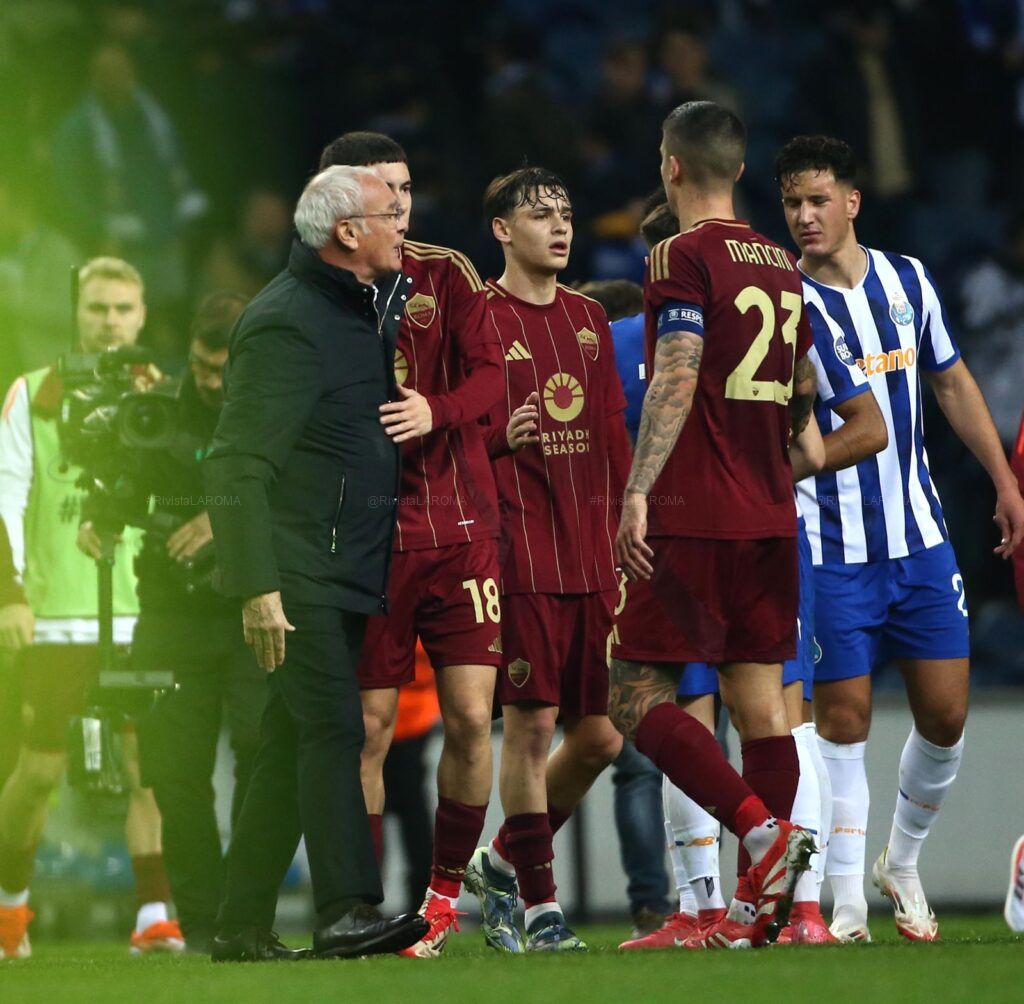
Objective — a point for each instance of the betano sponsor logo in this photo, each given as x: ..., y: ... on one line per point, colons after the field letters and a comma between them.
x: 888, y: 362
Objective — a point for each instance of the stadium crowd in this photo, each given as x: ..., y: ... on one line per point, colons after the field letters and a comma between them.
x: 169, y: 151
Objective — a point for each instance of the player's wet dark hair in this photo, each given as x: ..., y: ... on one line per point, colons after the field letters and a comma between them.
x: 361, y: 149
x: 710, y: 142
x: 816, y: 153
x: 523, y: 187
x: 659, y: 224
x: 215, y: 317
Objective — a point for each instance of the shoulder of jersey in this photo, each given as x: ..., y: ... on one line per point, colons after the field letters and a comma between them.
x: 569, y: 291
x: 658, y: 267
x: 433, y: 255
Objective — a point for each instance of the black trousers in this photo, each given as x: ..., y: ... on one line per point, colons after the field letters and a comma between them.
x: 405, y: 786
x: 219, y: 683
x: 306, y: 779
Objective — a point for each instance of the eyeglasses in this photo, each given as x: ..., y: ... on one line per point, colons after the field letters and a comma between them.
x: 392, y: 218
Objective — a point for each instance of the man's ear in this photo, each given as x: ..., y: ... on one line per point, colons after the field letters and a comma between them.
x: 675, y: 169
x: 853, y: 204
x: 499, y: 228
x: 346, y: 234
x: 739, y: 173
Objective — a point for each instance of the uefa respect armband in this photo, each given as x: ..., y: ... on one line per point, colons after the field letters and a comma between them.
x: 678, y: 316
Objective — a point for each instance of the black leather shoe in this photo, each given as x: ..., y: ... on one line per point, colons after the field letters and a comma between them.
x: 254, y: 945
x: 364, y: 930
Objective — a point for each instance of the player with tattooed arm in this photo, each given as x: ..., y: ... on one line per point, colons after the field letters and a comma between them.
x: 714, y: 573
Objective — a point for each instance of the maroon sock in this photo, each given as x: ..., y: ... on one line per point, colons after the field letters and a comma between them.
x: 16, y: 866
x: 557, y: 818
x: 689, y: 755
x: 457, y: 829
x: 501, y: 841
x: 771, y: 768
x: 151, y: 885
x: 377, y: 834
x: 528, y: 841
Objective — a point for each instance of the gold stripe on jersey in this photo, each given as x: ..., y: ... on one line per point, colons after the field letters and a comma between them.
x: 495, y: 290
x: 576, y: 292
x: 659, y: 259
x: 434, y: 252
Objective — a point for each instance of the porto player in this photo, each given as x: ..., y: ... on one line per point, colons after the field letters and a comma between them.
x: 885, y: 573
x: 444, y: 574
x: 730, y: 385
x: 562, y: 453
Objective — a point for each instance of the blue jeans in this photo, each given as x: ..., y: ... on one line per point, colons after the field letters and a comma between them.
x: 639, y: 818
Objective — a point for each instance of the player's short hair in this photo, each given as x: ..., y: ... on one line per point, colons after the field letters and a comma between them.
x: 360, y: 149
x: 336, y: 193
x: 215, y: 317
x: 107, y: 267
x: 522, y: 187
x: 816, y: 153
x: 709, y: 140
x: 619, y: 297
x: 659, y: 224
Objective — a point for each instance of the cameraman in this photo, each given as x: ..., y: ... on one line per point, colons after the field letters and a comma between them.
x: 41, y: 506
x: 185, y: 627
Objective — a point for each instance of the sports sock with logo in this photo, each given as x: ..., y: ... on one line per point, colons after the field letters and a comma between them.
x: 457, y: 829
x: 806, y: 812
x: 850, y: 802
x: 528, y: 844
x: 927, y: 772
x: 695, y: 835
x: 683, y: 749
x: 687, y: 901
x: 813, y: 747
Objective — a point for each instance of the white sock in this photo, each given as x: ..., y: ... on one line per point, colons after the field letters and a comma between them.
x: 850, y: 802
x: 533, y: 912
x: 926, y: 773
x: 150, y: 913
x: 440, y: 895
x: 687, y: 901
x: 498, y: 863
x: 695, y: 834
x: 806, y: 812
x: 759, y: 840
x: 10, y: 900
x: 825, y: 793
x: 742, y: 912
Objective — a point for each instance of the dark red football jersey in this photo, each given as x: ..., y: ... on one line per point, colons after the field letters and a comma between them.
x: 559, y: 497
x: 729, y: 475
x: 449, y: 353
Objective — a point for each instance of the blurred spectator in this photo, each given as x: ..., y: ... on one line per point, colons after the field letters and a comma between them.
x: 619, y: 297
x: 686, y: 73
x: 124, y: 184
x: 993, y: 314
x: 249, y: 258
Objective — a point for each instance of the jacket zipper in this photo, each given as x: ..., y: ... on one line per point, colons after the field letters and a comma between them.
x: 337, y: 516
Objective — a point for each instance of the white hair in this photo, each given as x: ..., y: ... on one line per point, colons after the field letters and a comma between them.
x: 336, y: 193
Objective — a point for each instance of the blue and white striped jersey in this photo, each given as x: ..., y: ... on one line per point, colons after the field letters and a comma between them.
x: 889, y: 326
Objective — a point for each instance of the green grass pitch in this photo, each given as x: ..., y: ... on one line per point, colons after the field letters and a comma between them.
x: 978, y: 961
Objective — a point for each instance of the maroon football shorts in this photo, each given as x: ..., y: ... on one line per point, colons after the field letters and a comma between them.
x: 712, y: 601
x: 556, y: 651
x: 448, y: 596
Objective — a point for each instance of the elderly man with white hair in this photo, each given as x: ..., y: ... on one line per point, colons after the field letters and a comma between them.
x: 303, y: 482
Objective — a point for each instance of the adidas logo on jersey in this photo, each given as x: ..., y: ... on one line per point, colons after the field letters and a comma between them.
x: 517, y: 351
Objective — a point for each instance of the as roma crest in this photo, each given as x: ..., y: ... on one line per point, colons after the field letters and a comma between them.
x: 519, y: 672
x: 588, y: 342
x: 421, y: 309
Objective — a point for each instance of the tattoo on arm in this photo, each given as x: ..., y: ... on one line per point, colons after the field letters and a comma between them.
x: 666, y: 407
x: 634, y: 689
x: 804, y: 390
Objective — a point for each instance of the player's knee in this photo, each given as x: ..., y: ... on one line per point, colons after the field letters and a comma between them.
x: 944, y: 727
x: 469, y: 727
x: 532, y: 736
x: 378, y: 730
x: 843, y: 723
x: 600, y: 747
